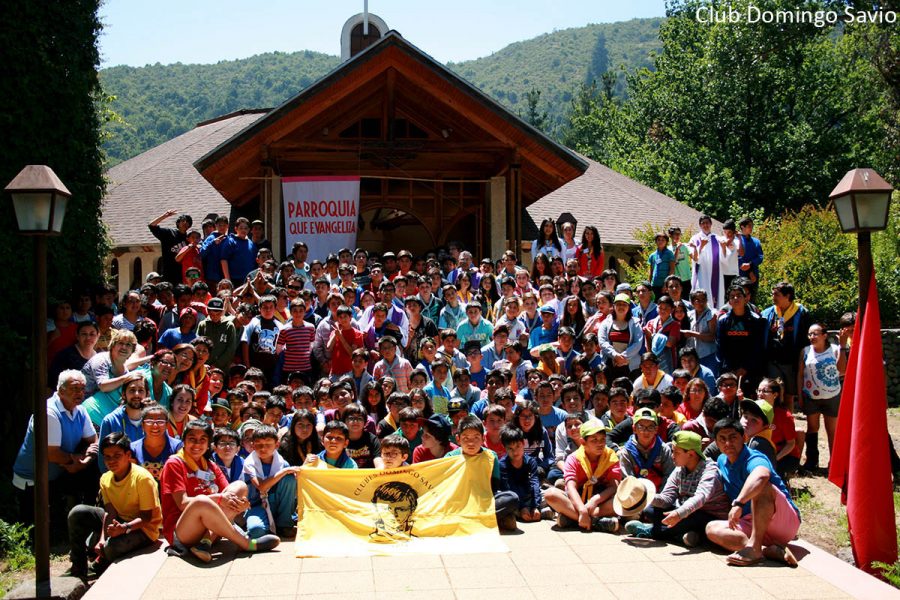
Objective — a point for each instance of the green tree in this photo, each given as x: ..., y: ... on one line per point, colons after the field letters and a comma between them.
x: 762, y: 116
x: 536, y: 116
x: 49, y: 97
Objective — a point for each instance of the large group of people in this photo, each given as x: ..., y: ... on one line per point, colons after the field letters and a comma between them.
x: 662, y: 407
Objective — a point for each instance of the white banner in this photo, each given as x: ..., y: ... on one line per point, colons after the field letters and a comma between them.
x: 322, y: 212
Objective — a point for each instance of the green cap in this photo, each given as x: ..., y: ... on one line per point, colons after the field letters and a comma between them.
x: 592, y: 426
x: 622, y: 298
x: 688, y: 440
x: 644, y: 414
x: 760, y: 408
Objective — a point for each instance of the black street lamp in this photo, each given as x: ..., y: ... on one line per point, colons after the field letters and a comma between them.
x: 40, y: 199
x: 862, y: 200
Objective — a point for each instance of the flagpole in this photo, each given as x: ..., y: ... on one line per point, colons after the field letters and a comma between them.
x: 864, y: 259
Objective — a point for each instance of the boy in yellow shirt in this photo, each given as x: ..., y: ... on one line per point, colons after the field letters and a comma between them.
x: 130, y: 518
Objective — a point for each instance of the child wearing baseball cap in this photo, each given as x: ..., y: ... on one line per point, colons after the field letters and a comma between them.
x: 691, y: 497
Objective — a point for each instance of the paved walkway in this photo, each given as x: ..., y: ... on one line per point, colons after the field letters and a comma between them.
x: 542, y: 563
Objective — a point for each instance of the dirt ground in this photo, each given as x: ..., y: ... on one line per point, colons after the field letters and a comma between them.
x: 824, y: 519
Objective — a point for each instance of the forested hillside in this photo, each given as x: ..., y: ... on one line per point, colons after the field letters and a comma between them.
x: 155, y: 103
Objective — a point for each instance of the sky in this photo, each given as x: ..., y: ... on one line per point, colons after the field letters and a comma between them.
x: 140, y: 32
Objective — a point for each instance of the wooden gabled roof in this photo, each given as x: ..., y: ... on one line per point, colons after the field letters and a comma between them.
x: 483, y: 135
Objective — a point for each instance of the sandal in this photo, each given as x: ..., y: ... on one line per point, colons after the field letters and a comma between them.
x: 736, y: 559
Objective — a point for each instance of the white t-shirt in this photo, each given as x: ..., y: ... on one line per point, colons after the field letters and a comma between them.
x: 821, y: 378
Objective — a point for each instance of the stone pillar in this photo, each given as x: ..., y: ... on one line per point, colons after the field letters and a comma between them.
x: 497, y: 216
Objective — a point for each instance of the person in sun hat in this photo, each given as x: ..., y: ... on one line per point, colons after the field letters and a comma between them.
x: 645, y: 455
x: 591, y: 474
x: 691, y: 497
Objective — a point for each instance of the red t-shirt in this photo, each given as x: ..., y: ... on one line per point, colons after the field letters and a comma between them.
x: 340, y: 358
x: 421, y: 453
x: 499, y: 448
x: 784, y: 431
x: 573, y: 471
x: 175, y: 477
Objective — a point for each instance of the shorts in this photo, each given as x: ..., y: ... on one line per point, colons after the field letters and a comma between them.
x: 788, y: 375
x: 825, y: 406
x: 782, y: 528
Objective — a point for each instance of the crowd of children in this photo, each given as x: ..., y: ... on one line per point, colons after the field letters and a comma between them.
x: 661, y: 407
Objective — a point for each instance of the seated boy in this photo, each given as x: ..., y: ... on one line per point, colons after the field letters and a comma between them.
x: 573, y: 441
x: 494, y: 420
x: 471, y: 443
x: 336, y: 438
x: 691, y: 497
x: 226, y: 442
x: 410, y: 426
x: 130, y: 518
x: 394, y: 451
x: 519, y: 473
x: 591, y: 474
x: 763, y: 518
x: 272, y: 487
x: 757, y: 417
x: 220, y: 413
x: 396, y: 402
x: 645, y: 455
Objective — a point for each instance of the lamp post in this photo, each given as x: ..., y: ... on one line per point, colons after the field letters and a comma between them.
x: 39, y: 199
x: 862, y: 200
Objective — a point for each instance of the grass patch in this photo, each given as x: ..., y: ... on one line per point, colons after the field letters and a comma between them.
x: 806, y: 501
x: 15, y: 553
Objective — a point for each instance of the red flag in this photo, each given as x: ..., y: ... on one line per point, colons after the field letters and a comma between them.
x: 860, y: 464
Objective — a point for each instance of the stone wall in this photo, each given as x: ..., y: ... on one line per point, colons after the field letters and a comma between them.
x: 890, y: 341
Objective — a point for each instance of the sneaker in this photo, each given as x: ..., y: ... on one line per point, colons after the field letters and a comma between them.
x: 547, y: 514
x: 287, y: 533
x: 264, y: 543
x: 81, y: 572
x: 565, y: 522
x: 691, y: 539
x: 605, y: 524
x: 638, y: 529
x: 202, y: 551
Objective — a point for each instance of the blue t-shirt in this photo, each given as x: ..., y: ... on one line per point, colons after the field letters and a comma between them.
x: 551, y: 420
x: 660, y: 262
x: 735, y: 474
x: 241, y: 257
x: 154, y: 464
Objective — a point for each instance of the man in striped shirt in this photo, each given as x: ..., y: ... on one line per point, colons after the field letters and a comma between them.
x: 295, y: 341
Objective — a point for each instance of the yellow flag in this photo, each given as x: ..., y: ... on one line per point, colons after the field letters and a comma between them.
x: 442, y: 506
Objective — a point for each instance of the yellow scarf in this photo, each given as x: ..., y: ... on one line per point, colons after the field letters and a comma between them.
x: 389, y: 419
x: 659, y: 377
x: 789, y: 312
x: 191, y: 465
x: 606, y: 460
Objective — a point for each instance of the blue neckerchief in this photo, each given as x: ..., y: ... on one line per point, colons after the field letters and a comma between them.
x: 340, y: 462
x: 644, y: 465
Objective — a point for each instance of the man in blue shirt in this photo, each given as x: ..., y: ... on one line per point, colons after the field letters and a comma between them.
x: 72, y: 450
x: 752, y: 254
x: 763, y: 519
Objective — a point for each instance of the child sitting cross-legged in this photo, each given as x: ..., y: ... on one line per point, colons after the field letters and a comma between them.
x: 519, y: 473
x: 272, y: 487
x: 394, y: 451
x: 336, y: 439
x: 590, y: 473
x: 470, y: 434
